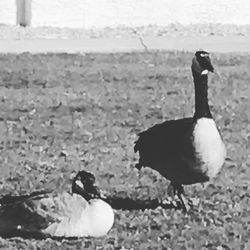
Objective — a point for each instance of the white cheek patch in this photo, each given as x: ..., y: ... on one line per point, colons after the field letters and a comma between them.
x: 79, y: 183
x: 204, y: 55
x: 204, y: 72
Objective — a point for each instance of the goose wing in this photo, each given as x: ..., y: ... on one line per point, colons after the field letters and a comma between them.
x: 32, y: 214
x: 162, y: 142
x: 18, y: 216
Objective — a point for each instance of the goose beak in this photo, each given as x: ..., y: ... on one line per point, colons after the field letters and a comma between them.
x: 216, y: 72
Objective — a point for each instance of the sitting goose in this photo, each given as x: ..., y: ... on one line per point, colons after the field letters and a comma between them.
x: 189, y: 150
x: 43, y: 214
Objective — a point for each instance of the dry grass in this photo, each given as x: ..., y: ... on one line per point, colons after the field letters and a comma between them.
x: 62, y: 113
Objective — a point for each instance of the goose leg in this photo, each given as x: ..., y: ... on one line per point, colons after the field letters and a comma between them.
x: 179, y: 191
x: 180, y: 194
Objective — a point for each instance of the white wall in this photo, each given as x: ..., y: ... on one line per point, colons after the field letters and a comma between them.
x: 58, y: 13
x: 112, y: 13
x: 101, y: 13
x: 8, y: 12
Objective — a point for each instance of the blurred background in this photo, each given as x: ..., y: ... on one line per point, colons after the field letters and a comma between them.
x: 113, y: 13
x: 161, y: 17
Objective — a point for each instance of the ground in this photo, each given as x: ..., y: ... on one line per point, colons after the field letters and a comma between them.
x: 60, y: 113
x: 173, y: 29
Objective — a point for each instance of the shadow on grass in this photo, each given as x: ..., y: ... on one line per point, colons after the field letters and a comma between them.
x: 126, y: 203
x: 27, y: 234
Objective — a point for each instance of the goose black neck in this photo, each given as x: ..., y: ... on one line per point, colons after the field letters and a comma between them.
x: 201, y: 99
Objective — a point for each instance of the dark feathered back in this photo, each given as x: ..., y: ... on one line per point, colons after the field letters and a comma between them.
x: 162, y: 140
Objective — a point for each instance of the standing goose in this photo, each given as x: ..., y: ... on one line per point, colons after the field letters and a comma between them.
x: 43, y: 214
x: 189, y: 150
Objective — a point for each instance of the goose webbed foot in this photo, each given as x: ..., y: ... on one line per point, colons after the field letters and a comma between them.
x: 176, y: 189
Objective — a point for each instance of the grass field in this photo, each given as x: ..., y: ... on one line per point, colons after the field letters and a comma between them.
x: 62, y: 113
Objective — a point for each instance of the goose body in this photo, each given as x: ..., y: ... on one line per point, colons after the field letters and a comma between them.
x: 54, y: 214
x: 188, y: 150
x: 82, y: 218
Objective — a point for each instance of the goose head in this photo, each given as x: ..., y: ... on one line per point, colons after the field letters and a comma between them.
x: 201, y: 63
x: 84, y: 185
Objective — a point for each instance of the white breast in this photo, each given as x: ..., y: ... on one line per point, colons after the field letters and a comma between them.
x: 100, y: 217
x: 209, y: 146
x: 78, y: 218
